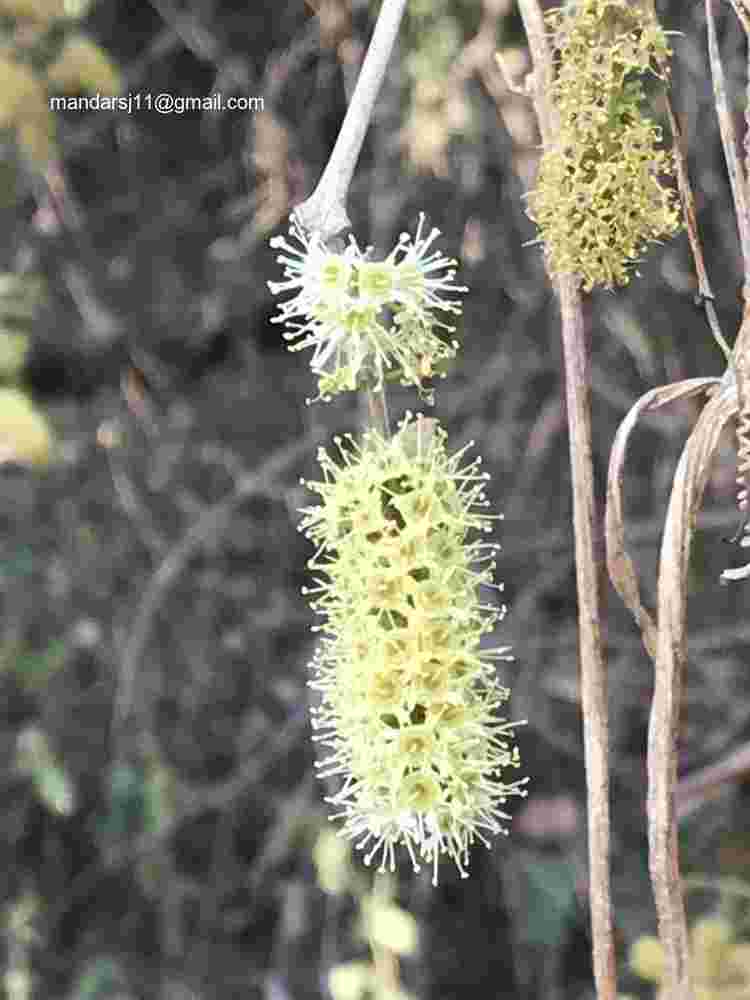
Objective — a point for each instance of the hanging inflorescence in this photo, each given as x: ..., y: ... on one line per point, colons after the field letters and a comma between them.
x: 599, y: 199
x: 408, y: 693
x: 409, y: 696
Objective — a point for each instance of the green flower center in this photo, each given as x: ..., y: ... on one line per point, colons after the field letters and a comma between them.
x: 335, y: 274
x: 375, y: 280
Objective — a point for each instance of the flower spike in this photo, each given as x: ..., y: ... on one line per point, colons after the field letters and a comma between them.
x: 408, y: 698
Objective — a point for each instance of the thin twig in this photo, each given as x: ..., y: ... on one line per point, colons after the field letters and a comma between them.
x: 701, y: 786
x: 705, y: 292
x: 377, y: 407
x: 729, y: 138
x: 592, y: 658
x: 324, y: 212
x: 197, y: 800
x: 176, y: 561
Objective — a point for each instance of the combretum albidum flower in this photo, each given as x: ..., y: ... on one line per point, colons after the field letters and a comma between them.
x: 408, y: 698
x: 365, y: 318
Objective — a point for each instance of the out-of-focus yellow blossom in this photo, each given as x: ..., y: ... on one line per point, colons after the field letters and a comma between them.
x: 83, y: 66
x: 331, y: 855
x: 647, y: 958
x: 391, y: 927
x: 360, y: 981
x: 41, y: 11
x: 710, y: 943
x: 719, y: 966
x: 24, y: 107
x: 25, y: 436
x: 351, y: 980
x: 13, y: 350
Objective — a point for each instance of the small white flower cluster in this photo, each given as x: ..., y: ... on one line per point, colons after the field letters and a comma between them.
x: 364, y: 317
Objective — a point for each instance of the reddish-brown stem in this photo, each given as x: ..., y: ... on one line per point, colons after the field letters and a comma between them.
x: 593, y: 671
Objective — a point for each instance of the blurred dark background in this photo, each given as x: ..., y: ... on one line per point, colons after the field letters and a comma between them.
x: 158, y: 809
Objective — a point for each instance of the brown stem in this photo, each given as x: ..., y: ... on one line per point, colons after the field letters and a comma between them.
x: 593, y: 663
x: 728, y: 132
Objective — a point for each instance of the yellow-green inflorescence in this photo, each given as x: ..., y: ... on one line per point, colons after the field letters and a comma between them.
x: 408, y: 698
x: 599, y: 199
x: 367, y: 318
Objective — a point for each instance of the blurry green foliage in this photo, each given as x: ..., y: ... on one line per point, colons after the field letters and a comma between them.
x: 102, y: 977
x: 550, y: 898
x: 20, y: 562
x: 20, y: 298
x: 126, y: 802
x: 31, y: 668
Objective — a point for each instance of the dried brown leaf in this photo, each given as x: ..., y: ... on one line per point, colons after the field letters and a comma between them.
x: 621, y: 569
x: 671, y: 654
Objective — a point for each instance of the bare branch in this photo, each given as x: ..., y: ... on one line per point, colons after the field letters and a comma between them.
x: 701, y: 786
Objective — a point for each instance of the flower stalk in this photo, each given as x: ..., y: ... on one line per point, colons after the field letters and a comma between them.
x: 592, y: 657
x: 324, y: 212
